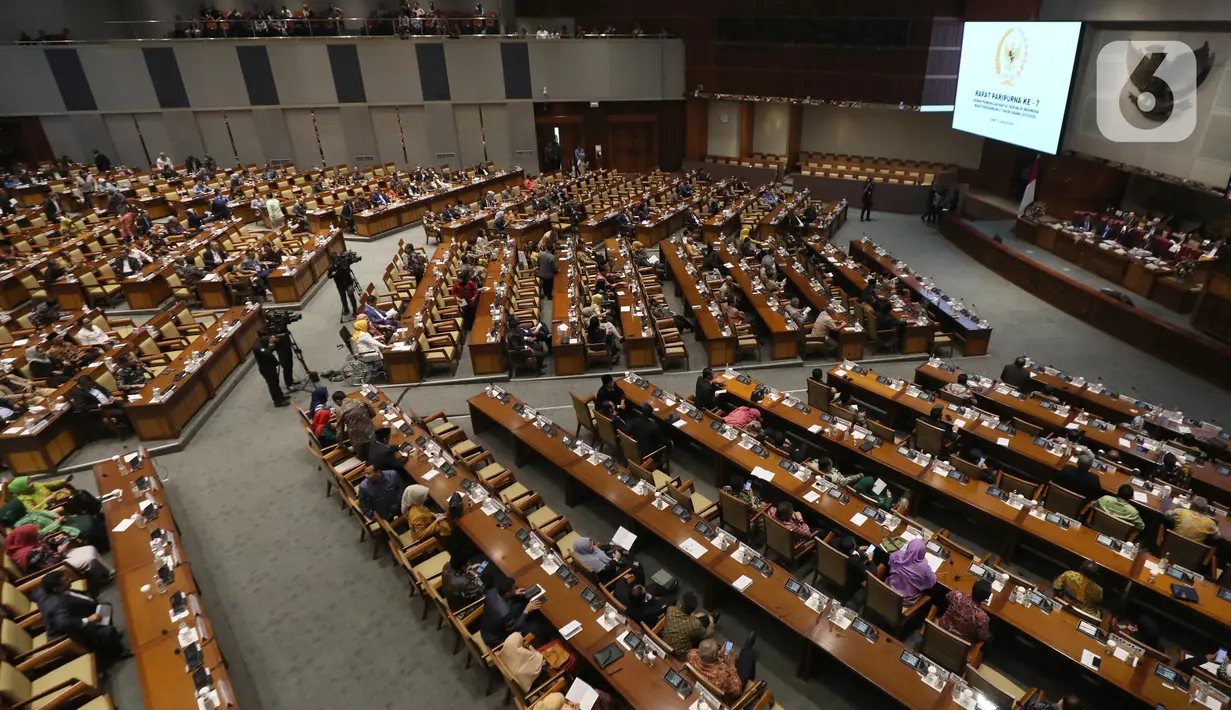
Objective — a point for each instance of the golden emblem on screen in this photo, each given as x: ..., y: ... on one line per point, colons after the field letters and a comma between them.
x: 1011, y: 56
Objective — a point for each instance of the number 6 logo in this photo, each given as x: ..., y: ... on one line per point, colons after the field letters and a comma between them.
x: 1156, y: 80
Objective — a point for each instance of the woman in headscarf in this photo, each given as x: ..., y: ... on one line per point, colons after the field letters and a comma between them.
x: 367, y: 347
x: 521, y: 660
x: 910, y: 574
x: 32, y: 554
x: 423, y: 522
x: 40, y: 495
x: 320, y: 400
x: 323, y: 426
x: 43, y: 367
x: 13, y: 514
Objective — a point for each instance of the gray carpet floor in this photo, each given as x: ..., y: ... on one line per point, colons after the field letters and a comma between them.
x: 308, y: 620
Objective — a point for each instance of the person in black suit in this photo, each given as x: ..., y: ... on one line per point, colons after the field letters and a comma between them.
x: 102, y: 162
x: 213, y: 256
x: 707, y: 395
x: 644, y: 428
x: 383, y: 455
x: 1080, y: 479
x: 75, y: 614
x: 1017, y: 375
x: 89, y: 396
x: 866, y: 199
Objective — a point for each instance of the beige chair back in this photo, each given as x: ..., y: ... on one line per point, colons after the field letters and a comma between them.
x: 1184, y: 552
x: 819, y: 395
x: 585, y: 417
x: 735, y: 512
x: 1108, y: 525
x: 779, y: 538
x: 947, y: 649
x: 1061, y: 500
x: 606, y: 432
x: 928, y: 438
x: 884, y: 602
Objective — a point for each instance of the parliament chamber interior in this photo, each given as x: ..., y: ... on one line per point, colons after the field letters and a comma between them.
x: 549, y: 355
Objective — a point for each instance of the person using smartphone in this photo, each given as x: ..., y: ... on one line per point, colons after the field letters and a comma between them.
x: 724, y: 670
x: 461, y: 583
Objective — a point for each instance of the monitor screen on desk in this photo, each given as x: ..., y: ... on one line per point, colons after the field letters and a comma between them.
x: 1013, y: 81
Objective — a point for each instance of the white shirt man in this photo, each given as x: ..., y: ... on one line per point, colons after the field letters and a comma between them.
x: 163, y: 161
x: 90, y: 335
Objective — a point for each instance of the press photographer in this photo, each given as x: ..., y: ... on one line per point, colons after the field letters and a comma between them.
x: 344, y: 279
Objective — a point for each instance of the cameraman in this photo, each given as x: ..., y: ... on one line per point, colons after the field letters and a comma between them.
x: 266, y: 353
x: 344, y: 280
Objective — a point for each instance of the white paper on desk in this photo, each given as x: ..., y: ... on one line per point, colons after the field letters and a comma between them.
x: 550, y: 565
x: 1071, y: 425
x: 679, y: 423
x: 124, y: 524
x: 1122, y: 654
x: 625, y: 309
x: 878, y: 487
x: 693, y: 548
x: 1212, y: 703
x: 763, y: 474
x: 1126, y: 443
x: 933, y: 561
x: 1209, y: 667
x: 1141, y: 497
x: 859, y: 518
x: 431, y: 474
x: 582, y: 695
x: 13, y: 430
x: 857, y: 435
x: 1088, y: 658
x: 812, y: 496
x: 959, y: 423
x: 624, y: 539
x: 607, y: 624
x: 742, y: 583
x: 570, y: 630
x: 1002, y: 441
x: 814, y: 428
x: 1152, y: 566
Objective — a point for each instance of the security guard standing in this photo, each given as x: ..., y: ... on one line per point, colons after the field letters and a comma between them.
x: 266, y: 353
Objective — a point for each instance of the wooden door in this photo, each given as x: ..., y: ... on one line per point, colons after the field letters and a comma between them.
x: 633, y: 147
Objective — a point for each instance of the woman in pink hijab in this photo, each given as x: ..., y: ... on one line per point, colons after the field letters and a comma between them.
x: 909, y: 572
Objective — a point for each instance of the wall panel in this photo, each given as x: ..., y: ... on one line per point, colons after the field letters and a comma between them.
x: 390, y: 72
x: 71, y: 79
x: 332, y: 136
x: 476, y: 72
x: 469, y: 122
x: 569, y: 70
x: 636, y: 70
x: 92, y: 133
x: 770, y: 128
x: 270, y: 126
x: 357, y: 130
x: 27, y: 86
x: 62, y: 136
x: 127, y: 142
x: 302, y: 73
x: 118, y: 77
x: 153, y: 127
x: 523, y: 136
x: 213, y: 128
x: 724, y: 135
x: 907, y: 135
x: 496, y: 133
x: 248, y: 146
x: 211, y: 75
x: 441, y: 133
x: 387, y: 134
x: 185, y: 135
x: 414, y: 134
x: 304, y: 146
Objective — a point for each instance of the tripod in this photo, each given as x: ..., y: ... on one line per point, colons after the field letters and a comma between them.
x: 307, y: 382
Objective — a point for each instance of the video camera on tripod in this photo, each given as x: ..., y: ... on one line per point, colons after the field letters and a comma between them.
x: 279, y: 322
x: 347, y: 258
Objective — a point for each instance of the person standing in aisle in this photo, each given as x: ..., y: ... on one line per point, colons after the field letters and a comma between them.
x: 866, y: 199
x: 266, y: 353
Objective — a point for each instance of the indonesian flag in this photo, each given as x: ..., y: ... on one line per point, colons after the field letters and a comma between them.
x: 1028, y: 196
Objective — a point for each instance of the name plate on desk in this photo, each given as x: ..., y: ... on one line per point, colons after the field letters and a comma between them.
x: 1044, y: 604
x: 1092, y: 631
x: 1171, y: 676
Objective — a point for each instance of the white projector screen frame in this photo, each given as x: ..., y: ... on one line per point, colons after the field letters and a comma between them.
x: 1014, y: 80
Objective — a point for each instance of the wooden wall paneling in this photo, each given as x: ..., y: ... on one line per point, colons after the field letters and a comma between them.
x: 696, y: 129
x: 1068, y: 183
x: 794, y: 131
x: 673, y: 135
x: 747, y: 114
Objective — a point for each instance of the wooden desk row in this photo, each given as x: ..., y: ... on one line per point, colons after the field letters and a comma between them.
x: 404, y: 361
x: 877, y: 662
x: 1209, y: 478
x: 917, y: 334
x: 1114, y: 264
x: 975, y: 333
x: 371, y: 223
x: 1057, y: 630
x: 712, y: 326
x: 914, y: 470
x: 1184, y: 348
x: 784, y: 333
x: 641, y: 685
x: 153, y: 629
x: 851, y: 336
x: 488, y: 335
